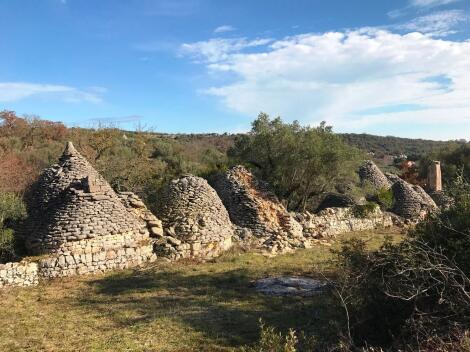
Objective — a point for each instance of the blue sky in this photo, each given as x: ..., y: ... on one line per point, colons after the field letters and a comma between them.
x: 382, y: 67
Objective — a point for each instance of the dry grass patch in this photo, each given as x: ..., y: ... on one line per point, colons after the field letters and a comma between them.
x: 181, y: 306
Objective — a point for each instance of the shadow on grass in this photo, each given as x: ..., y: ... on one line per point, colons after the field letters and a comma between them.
x: 223, y: 306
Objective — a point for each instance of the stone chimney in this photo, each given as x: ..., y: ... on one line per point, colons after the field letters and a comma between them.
x: 434, y: 177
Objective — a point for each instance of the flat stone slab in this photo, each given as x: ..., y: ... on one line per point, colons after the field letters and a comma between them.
x: 289, y: 286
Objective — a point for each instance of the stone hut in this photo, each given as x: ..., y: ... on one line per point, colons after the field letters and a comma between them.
x: 75, y: 215
x: 195, y: 221
x: 411, y: 202
x: 370, y: 173
x: 262, y: 220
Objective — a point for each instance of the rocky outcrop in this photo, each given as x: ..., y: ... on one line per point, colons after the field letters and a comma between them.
x: 263, y: 222
x: 370, y: 174
x: 195, y: 221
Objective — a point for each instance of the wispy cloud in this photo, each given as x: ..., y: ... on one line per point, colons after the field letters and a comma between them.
x: 352, y: 79
x: 15, y: 91
x: 440, y: 23
x: 414, y: 5
x: 430, y: 3
x: 224, y: 29
x: 219, y: 49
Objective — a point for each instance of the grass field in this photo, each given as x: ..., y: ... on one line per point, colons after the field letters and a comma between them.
x: 182, y: 306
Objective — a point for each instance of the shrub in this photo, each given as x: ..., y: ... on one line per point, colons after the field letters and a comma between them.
x: 7, y: 246
x: 273, y: 341
x: 413, y: 294
x: 12, y: 209
x: 385, y: 198
x: 364, y: 210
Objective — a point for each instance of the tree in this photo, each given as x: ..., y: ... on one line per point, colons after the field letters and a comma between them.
x: 300, y: 162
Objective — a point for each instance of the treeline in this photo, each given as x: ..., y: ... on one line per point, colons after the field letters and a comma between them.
x: 380, y: 146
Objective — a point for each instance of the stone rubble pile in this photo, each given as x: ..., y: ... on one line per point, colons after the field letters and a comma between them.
x: 263, y: 222
x: 195, y: 221
x: 137, y: 207
x: 369, y: 173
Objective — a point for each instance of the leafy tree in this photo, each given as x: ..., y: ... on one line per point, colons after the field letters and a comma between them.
x: 300, y: 162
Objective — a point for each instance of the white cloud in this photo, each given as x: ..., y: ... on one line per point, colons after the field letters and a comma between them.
x: 419, y: 5
x: 356, y: 79
x: 224, y: 28
x: 430, y: 3
x: 436, y: 24
x: 219, y: 49
x: 15, y: 91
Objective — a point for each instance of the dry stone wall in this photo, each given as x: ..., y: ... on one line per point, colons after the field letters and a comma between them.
x: 196, y: 223
x: 333, y: 221
x: 20, y: 274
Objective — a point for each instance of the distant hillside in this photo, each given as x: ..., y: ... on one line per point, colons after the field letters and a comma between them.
x: 389, y: 145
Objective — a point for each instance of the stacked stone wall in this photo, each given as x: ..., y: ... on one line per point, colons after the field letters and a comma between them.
x: 20, y: 274
x: 334, y: 221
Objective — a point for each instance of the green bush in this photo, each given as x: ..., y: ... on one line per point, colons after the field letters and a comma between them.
x: 12, y: 209
x: 7, y: 246
x: 364, y: 210
x: 385, y: 198
x: 273, y: 341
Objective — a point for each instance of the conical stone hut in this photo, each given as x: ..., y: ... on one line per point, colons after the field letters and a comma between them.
x: 76, y: 215
x: 369, y: 173
x: 262, y: 220
x: 195, y: 222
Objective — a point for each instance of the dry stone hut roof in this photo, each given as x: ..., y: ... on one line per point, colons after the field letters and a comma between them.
x: 192, y: 213
x: 370, y: 173
x: 72, y: 202
x: 252, y: 206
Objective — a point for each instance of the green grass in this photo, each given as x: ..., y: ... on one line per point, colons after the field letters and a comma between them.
x: 182, y: 306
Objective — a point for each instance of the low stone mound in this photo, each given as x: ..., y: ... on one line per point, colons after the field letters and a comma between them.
x: 263, y: 221
x: 195, y: 222
x: 336, y: 200
x: 369, y: 173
